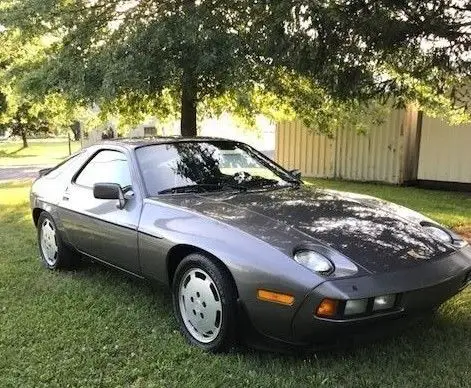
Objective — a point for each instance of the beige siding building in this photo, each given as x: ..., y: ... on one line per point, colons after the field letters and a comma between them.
x: 445, y: 152
x: 406, y: 148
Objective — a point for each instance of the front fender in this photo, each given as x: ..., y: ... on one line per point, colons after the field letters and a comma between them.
x: 253, y: 263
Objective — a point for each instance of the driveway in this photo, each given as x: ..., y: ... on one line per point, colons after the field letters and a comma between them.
x: 13, y: 173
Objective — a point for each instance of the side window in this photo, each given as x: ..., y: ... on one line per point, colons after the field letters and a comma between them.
x: 65, y: 165
x: 106, y: 167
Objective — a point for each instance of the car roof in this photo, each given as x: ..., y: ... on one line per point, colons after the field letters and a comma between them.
x: 143, y: 142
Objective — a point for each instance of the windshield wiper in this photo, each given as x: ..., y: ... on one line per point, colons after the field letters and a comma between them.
x: 265, y: 183
x: 202, y: 187
x: 295, y: 183
x: 195, y: 188
x: 232, y: 186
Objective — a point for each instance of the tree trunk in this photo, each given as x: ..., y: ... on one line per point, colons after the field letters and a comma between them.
x: 189, y: 103
x: 76, y: 128
x: 25, y: 141
x: 189, y: 84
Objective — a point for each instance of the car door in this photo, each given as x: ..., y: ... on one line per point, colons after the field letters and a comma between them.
x: 97, y: 227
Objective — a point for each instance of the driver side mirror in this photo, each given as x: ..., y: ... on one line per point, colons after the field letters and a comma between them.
x: 110, y: 191
x: 296, y: 174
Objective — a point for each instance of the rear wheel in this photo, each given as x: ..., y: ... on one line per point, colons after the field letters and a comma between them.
x: 204, y: 300
x: 54, y: 253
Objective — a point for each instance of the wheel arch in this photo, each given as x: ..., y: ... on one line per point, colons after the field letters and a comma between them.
x: 179, y: 252
x: 36, y: 214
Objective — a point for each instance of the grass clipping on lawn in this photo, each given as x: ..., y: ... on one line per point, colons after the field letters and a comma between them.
x: 96, y: 327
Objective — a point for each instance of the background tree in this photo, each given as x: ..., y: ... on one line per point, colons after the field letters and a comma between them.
x: 25, y: 123
x: 27, y: 114
x: 320, y: 60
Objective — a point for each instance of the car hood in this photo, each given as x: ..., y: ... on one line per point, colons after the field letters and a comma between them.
x: 374, y: 234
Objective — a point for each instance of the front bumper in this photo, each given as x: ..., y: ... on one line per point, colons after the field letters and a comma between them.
x: 420, y: 290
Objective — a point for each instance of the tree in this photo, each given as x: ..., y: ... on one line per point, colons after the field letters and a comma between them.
x: 25, y: 114
x: 25, y: 123
x: 316, y: 59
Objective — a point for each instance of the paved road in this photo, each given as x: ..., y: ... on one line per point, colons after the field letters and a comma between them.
x: 12, y: 173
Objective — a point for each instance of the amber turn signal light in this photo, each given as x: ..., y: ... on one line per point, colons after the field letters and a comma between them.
x: 275, y: 297
x: 327, y: 308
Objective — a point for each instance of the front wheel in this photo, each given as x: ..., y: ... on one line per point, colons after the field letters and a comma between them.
x: 205, y: 303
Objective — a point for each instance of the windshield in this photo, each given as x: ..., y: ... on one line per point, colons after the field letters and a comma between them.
x: 207, y: 166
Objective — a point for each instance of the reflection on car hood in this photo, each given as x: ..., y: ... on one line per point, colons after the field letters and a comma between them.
x: 374, y: 234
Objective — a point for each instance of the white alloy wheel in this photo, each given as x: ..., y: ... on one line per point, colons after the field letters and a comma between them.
x: 200, y: 305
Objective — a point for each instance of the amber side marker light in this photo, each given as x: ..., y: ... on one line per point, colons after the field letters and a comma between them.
x: 275, y: 297
x: 327, y: 308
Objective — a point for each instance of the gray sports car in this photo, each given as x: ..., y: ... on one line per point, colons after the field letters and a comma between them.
x: 246, y: 248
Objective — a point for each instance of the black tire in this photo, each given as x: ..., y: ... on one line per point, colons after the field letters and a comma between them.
x: 226, y: 338
x: 66, y: 257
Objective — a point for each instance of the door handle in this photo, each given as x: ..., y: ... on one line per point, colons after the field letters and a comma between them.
x: 65, y: 197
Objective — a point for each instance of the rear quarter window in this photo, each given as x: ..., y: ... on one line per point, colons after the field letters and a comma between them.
x: 70, y: 164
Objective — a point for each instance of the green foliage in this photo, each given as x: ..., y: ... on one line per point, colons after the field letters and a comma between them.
x: 25, y: 113
x: 25, y: 122
x: 452, y: 107
x: 321, y: 61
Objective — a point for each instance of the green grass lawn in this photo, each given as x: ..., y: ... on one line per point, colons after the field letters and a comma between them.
x: 40, y: 152
x: 97, y: 328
